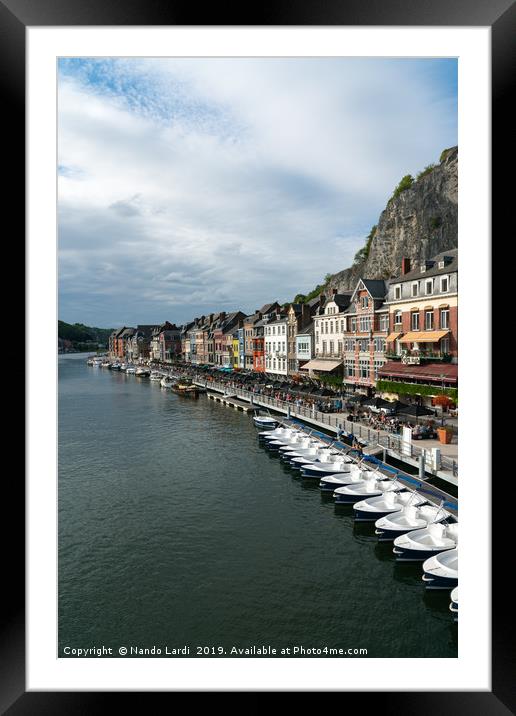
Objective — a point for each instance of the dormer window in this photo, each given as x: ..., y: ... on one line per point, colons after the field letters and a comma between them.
x: 441, y: 264
x: 422, y: 268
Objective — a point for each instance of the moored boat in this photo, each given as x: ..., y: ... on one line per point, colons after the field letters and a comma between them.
x: 454, y: 603
x: 442, y: 570
x: 317, y: 470
x: 330, y: 483
x: 185, y: 389
x: 265, y: 422
x: 410, y: 518
x: 420, y: 544
x: 373, y: 486
x: 372, y: 508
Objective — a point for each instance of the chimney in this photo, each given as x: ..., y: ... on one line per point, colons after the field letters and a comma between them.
x: 405, y: 265
x: 222, y: 315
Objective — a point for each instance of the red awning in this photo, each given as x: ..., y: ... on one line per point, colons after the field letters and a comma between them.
x: 426, y: 371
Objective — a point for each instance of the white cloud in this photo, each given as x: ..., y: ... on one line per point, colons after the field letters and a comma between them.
x: 190, y: 183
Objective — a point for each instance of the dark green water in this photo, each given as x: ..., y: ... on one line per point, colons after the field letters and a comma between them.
x: 177, y: 529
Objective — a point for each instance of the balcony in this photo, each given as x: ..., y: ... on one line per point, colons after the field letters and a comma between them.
x: 422, y: 356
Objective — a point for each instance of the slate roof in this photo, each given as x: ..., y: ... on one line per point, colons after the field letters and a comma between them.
x: 416, y: 273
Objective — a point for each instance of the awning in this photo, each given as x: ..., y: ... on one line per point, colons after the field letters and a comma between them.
x: 324, y: 365
x: 393, y: 336
x: 424, y: 336
x: 439, y: 372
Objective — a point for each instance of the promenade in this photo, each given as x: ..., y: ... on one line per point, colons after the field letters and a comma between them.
x: 374, y: 440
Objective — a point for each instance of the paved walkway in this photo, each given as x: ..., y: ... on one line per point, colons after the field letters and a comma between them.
x: 450, y: 450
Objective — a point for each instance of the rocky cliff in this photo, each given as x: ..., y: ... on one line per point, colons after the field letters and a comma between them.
x: 419, y: 222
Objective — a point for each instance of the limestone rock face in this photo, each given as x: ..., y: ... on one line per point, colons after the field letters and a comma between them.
x: 419, y: 223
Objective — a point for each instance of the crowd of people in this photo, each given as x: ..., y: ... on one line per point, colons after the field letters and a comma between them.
x: 298, y: 396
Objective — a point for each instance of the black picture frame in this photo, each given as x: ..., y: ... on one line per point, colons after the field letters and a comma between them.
x: 15, y: 17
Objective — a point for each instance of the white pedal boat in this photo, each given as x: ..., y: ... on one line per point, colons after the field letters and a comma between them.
x: 442, y: 570
x: 332, y: 482
x: 408, y: 519
x: 454, y: 604
x: 389, y: 502
x: 420, y: 544
x: 371, y: 487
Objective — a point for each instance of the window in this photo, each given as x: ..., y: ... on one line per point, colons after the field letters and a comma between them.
x: 353, y: 325
x: 363, y: 368
x: 415, y: 288
x: 429, y: 287
x: 445, y: 346
x: 398, y: 318
x: 429, y: 320
x: 377, y: 365
x: 445, y: 318
x: 331, y: 348
x: 365, y: 301
x: 350, y: 368
x: 365, y: 323
x: 444, y: 284
x: 342, y: 326
x: 384, y: 322
x: 414, y: 321
x: 339, y: 347
x: 397, y: 291
x: 331, y: 326
x: 324, y: 347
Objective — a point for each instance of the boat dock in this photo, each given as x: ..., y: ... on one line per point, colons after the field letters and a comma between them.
x: 375, y: 442
x: 231, y: 401
x: 431, y: 492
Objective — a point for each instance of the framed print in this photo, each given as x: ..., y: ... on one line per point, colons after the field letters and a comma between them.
x: 243, y: 461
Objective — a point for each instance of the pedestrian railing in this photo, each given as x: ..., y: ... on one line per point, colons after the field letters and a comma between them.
x: 371, y: 435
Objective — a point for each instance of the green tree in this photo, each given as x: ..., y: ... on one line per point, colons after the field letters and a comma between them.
x: 404, y: 184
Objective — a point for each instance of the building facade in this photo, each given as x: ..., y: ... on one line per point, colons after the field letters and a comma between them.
x: 365, y: 334
x: 275, y: 341
x: 422, y: 346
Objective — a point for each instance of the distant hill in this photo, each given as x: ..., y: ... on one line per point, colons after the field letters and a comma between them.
x: 81, y: 336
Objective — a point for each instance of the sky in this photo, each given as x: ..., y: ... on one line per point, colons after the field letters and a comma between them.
x: 191, y: 186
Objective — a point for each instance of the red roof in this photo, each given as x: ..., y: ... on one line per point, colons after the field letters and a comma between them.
x: 425, y: 371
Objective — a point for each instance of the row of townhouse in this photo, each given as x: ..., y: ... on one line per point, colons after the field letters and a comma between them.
x: 401, y: 330
x: 397, y: 331
x: 146, y: 342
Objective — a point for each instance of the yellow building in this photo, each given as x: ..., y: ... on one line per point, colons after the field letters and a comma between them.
x: 235, y: 352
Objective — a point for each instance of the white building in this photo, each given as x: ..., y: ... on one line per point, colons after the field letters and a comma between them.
x: 305, y: 345
x: 275, y: 346
x: 329, y: 328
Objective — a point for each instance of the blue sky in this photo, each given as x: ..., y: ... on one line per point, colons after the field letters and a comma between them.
x: 188, y: 186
